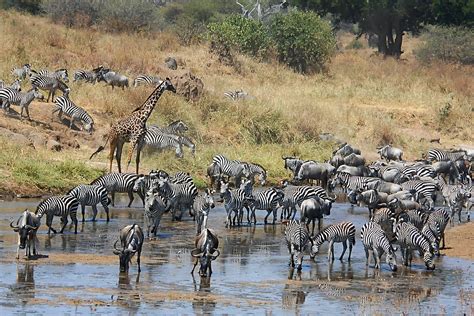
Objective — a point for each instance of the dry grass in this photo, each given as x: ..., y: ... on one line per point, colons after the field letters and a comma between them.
x: 363, y: 99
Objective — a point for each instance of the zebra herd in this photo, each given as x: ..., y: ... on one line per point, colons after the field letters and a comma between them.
x: 402, y: 213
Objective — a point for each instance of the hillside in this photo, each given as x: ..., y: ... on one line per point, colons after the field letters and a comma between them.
x: 362, y: 99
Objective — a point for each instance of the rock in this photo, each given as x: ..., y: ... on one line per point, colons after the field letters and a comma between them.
x: 73, y: 143
x: 171, y: 63
x: 17, y: 139
x: 188, y: 86
x: 38, y: 140
x: 54, y: 145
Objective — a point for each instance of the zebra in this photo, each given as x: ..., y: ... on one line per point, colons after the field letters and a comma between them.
x: 340, y: 232
x: 60, y: 74
x: 155, y: 207
x: 232, y: 168
x: 65, y: 106
x: 157, y: 139
x: 22, y: 72
x: 146, y: 80
x: 145, y: 183
x: 50, y: 84
x: 186, y: 141
x: 446, y: 189
x: 202, y: 206
x: 385, y: 217
x: 442, y: 155
x: 119, y: 182
x: 431, y: 231
x: 15, y: 85
x: 375, y: 241
x: 423, y: 189
x: 259, y: 171
x: 234, y: 201
x: 62, y: 206
x: 350, y: 182
x: 176, y: 128
x: 268, y: 200
x: 297, y: 240
x: 409, y: 238
x: 237, y: 95
x: 178, y: 196
x: 457, y: 200
x: 91, y: 195
x: 87, y: 76
x: 23, y: 99
x: 439, y: 219
x: 295, y: 195
x: 416, y: 217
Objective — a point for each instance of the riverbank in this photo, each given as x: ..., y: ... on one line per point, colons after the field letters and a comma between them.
x: 460, y: 241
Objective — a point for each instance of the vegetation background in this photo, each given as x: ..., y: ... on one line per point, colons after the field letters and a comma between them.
x: 333, y: 82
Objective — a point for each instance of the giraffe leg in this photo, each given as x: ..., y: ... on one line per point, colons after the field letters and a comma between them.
x: 130, y: 152
x: 113, y: 146
x: 118, y: 156
x: 139, y: 149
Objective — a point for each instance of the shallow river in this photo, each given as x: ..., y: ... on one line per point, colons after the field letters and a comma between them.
x: 78, y: 274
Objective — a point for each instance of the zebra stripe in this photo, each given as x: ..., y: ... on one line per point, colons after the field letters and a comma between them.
x: 179, y: 197
x: 175, y: 128
x: 182, y: 177
x: 22, y: 72
x: 201, y: 207
x: 295, y: 195
x: 350, y: 182
x: 84, y: 75
x: 146, y: 80
x: 119, y: 182
x: 62, y: 206
x: 234, y: 201
x: 10, y: 96
x: 336, y: 233
x: 409, y: 239
x: 91, y: 195
x: 416, y: 217
x: 65, y: 106
x: 423, y: 189
x: 50, y: 84
x: 442, y: 155
x: 236, y: 95
x: 232, y: 168
x: 375, y: 241
x: 439, y: 219
x: 431, y: 231
x: 297, y: 239
x: 157, y: 139
x: 60, y: 74
x: 267, y: 200
x: 15, y: 85
x: 155, y: 207
x: 185, y: 141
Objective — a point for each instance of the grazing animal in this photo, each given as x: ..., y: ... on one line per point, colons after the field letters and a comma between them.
x: 297, y: 240
x: 457, y: 200
x: 295, y: 195
x: 205, y: 251
x: 133, y: 129
x: 268, y: 200
x: 431, y: 231
x: 354, y: 160
x: 91, y: 195
x: 237, y: 95
x: 314, y: 208
x: 232, y: 168
x: 311, y: 170
x: 293, y: 164
x: 11, y: 96
x: 416, y: 217
x: 349, y: 182
x: 155, y: 207
x: 178, y: 196
x: 361, y: 171
x: 63, y: 206
x: 442, y: 155
x: 410, y: 238
x: 448, y: 170
x: 439, y: 219
x: 234, y: 201
x: 385, y: 217
x: 86, y: 76
x: 119, y: 182
x: 423, y: 189
x: 186, y: 141
x: 16, y: 85
x: 257, y: 170
x: 336, y: 233
x: 159, y: 140
x: 113, y: 79
x: 49, y: 84
x: 21, y: 72
x: 345, y: 150
x: 146, y: 80
x: 201, y: 207
x: 26, y: 226
x: 388, y: 153
x: 176, y: 128
x: 376, y: 242
x: 65, y: 106
x: 371, y: 198
x: 131, y: 240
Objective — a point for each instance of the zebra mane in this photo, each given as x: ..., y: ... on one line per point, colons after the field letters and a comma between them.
x: 175, y: 123
x: 258, y: 165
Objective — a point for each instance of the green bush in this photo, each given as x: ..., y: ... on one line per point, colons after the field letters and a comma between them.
x: 71, y: 12
x: 303, y: 40
x: 243, y: 35
x: 448, y: 44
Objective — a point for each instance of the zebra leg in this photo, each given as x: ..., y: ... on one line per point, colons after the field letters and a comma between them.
x: 274, y: 215
x: 294, y: 212
x: 266, y: 217
x: 64, y: 223
x: 331, y: 251
x: 94, y: 209
x: 106, y: 209
x: 113, y: 198
x: 367, y: 256
x: 83, y: 208
x: 253, y: 216
x: 350, y: 249
x: 130, y: 197
x: 377, y: 258
x: 344, y: 248
x: 49, y: 223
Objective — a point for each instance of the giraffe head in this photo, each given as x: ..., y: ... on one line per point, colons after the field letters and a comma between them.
x: 167, y: 85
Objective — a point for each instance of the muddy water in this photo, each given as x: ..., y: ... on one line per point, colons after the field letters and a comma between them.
x: 79, y: 273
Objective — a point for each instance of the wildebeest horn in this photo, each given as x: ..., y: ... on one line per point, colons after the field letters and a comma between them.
x: 11, y: 225
x: 115, y: 245
x: 213, y: 257
x: 193, y: 253
x: 334, y: 197
x: 31, y: 227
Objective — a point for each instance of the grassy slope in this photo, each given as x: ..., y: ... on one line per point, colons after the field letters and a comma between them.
x: 364, y: 99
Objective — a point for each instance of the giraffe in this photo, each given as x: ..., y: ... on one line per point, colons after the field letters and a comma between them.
x: 132, y: 129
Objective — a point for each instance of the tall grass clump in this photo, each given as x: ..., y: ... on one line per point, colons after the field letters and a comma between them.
x: 448, y: 44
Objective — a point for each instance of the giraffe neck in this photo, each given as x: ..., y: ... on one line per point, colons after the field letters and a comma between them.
x: 145, y: 110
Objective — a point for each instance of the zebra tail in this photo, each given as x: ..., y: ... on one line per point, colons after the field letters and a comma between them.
x: 100, y: 148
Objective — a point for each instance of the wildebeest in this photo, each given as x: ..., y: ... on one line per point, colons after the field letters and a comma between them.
x: 390, y: 153
x: 311, y: 170
x: 354, y: 160
x: 314, y: 208
x: 26, y: 227
x: 131, y: 240
x: 206, y: 244
x: 447, y: 169
x: 292, y: 163
x: 112, y: 79
x: 345, y: 150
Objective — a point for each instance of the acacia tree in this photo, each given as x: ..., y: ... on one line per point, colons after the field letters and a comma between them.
x: 390, y: 19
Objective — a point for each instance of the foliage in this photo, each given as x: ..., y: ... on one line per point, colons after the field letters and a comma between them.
x: 71, y: 12
x: 448, y: 44
x: 303, y: 40
x: 355, y: 44
x: 32, y: 6
x: 244, y: 35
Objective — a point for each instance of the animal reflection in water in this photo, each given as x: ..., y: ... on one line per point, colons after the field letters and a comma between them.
x: 203, y: 303
x: 24, y: 288
x: 128, y: 295
x: 293, y: 295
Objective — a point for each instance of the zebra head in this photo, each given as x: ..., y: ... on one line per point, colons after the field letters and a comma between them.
x: 246, y: 170
x: 37, y: 94
x: 391, y: 258
x: 224, y: 189
x: 138, y: 183
x: 208, y: 199
x: 428, y: 257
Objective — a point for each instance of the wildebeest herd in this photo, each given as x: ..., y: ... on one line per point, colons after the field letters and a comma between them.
x: 400, y: 196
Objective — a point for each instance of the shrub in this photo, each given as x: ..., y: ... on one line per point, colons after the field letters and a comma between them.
x: 303, y: 40
x: 71, y: 12
x: 355, y: 44
x: 243, y: 35
x: 448, y: 44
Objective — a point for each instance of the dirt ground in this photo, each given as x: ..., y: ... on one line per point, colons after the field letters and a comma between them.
x: 460, y: 241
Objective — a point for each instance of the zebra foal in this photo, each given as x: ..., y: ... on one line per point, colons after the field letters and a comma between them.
x: 23, y: 99
x: 336, y: 233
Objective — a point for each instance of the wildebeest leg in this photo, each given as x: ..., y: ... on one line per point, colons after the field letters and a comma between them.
x: 210, y: 269
x: 319, y: 224
x: 312, y: 227
x: 139, y: 252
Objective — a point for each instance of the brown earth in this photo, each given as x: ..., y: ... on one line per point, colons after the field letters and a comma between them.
x: 460, y: 241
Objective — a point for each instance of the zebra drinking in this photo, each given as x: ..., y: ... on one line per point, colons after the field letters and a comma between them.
x: 91, y: 195
x: 65, y: 106
x: 297, y: 240
x: 410, y: 238
x: 376, y: 242
x: 63, y: 206
x: 336, y: 233
x: 202, y: 206
x: 232, y: 168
